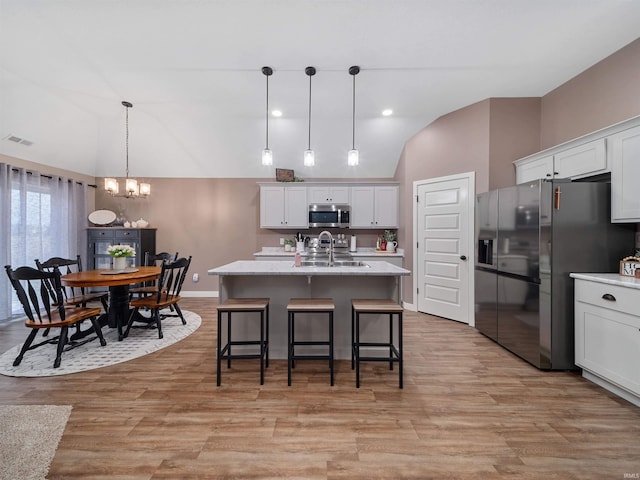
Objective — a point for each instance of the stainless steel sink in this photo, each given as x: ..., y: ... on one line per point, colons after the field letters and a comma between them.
x: 337, y: 263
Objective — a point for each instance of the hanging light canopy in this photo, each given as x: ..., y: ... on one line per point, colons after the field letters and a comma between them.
x: 309, y: 156
x: 267, y: 155
x: 131, y: 186
x: 353, y: 157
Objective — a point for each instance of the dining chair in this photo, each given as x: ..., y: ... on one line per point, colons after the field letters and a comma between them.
x: 167, y: 294
x: 76, y: 296
x: 42, y: 298
x: 151, y: 260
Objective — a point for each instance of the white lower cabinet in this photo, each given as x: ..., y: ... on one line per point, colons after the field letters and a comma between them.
x: 607, y: 336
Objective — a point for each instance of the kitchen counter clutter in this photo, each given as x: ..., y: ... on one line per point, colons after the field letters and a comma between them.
x: 363, y: 254
x: 280, y: 280
x: 607, y: 331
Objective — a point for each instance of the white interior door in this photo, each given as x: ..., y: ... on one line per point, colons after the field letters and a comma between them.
x: 444, y: 243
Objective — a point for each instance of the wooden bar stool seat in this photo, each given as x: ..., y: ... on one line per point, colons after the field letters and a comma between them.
x: 307, y: 306
x: 245, y: 305
x: 361, y: 306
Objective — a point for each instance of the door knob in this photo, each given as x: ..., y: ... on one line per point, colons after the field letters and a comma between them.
x: 463, y: 257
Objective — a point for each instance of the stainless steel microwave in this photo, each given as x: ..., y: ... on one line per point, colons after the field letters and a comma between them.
x: 329, y: 215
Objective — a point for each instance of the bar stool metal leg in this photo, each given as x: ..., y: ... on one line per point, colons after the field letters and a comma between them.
x: 309, y: 306
x: 395, y: 354
x: 243, y: 305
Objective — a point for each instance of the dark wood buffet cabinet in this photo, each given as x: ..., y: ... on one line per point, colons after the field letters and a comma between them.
x: 99, y: 238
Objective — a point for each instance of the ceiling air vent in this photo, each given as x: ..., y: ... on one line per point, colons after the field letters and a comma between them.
x: 21, y: 141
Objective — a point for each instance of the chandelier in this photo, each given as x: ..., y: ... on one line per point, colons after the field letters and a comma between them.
x: 132, y: 189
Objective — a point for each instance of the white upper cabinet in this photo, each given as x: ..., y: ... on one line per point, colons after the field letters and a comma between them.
x: 582, y: 160
x: 624, y: 152
x: 329, y: 194
x: 283, y: 207
x: 374, y: 206
x: 535, y: 169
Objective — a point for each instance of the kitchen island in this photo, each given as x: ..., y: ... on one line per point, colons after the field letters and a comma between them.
x: 282, y: 280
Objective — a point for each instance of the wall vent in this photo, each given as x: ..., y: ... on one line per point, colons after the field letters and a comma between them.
x: 21, y: 141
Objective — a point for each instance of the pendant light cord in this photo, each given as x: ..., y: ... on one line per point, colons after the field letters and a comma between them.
x: 309, y: 147
x: 267, y: 113
x: 126, y: 142
x: 353, y: 71
x: 353, y: 116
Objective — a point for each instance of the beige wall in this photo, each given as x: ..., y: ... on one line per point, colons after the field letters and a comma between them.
x: 514, y: 133
x: 605, y: 94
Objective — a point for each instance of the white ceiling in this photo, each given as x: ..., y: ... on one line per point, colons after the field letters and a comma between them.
x: 192, y: 69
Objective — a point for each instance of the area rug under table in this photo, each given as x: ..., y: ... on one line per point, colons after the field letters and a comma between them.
x: 141, y: 341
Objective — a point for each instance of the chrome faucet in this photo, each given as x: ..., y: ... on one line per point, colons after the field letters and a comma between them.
x: 330, y: 249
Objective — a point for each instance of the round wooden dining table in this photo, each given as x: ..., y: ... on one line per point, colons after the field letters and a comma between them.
x: 118, y: 283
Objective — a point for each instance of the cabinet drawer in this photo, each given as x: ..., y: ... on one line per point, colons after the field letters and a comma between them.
x: 98, y: 234
x: 620, y: 299
x: 127, y: 234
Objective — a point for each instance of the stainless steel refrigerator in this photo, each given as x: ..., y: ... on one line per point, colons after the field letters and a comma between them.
x: 528, y: 239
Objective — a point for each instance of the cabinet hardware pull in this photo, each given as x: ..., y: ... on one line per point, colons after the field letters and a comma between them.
x: 463, y: 257
x: 609, y: 297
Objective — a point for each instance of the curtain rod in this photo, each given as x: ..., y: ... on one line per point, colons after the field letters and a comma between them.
x: 50, y: 177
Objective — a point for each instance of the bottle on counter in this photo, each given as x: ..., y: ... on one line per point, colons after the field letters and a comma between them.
x: 298, y: 261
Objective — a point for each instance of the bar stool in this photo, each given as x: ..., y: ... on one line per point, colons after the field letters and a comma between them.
x: 309, y: 305
x: 246, y: 305
x: 361, y: 306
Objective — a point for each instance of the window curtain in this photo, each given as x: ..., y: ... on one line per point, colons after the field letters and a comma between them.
x: 41, y: 216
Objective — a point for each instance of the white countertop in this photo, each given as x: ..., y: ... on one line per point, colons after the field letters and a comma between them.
x: 361, y: 252
x: 280, y: 267
x: 609, y: 278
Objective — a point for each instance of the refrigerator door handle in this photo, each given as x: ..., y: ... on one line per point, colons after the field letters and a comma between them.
x: 556, y: 198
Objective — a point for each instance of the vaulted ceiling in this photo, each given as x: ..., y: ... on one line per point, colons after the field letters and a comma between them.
x: 192, y: 69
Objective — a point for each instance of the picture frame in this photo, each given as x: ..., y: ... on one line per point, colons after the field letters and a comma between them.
x: 629, y: 266
x: 284, y: 175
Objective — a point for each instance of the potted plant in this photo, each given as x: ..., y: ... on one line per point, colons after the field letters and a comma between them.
x: 390, y: 240
x: 120, y: 253
x: 390, y: 236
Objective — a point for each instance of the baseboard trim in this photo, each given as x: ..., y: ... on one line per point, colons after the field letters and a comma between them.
x: 199, y: 294
x: 410, y: 306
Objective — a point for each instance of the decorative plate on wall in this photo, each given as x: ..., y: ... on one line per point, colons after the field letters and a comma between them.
x: 102, y: 217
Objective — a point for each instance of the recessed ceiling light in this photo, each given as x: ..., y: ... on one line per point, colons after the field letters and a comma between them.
x: 387, y: 112
x: 276, y: 113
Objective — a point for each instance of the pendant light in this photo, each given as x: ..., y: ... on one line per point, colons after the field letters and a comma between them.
x: 353, y: 155
x: 267, y: 155
x: 309, y: 156
x: 131, y: 186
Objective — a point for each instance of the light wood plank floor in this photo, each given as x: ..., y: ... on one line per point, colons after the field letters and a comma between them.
x: 469, y: 410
